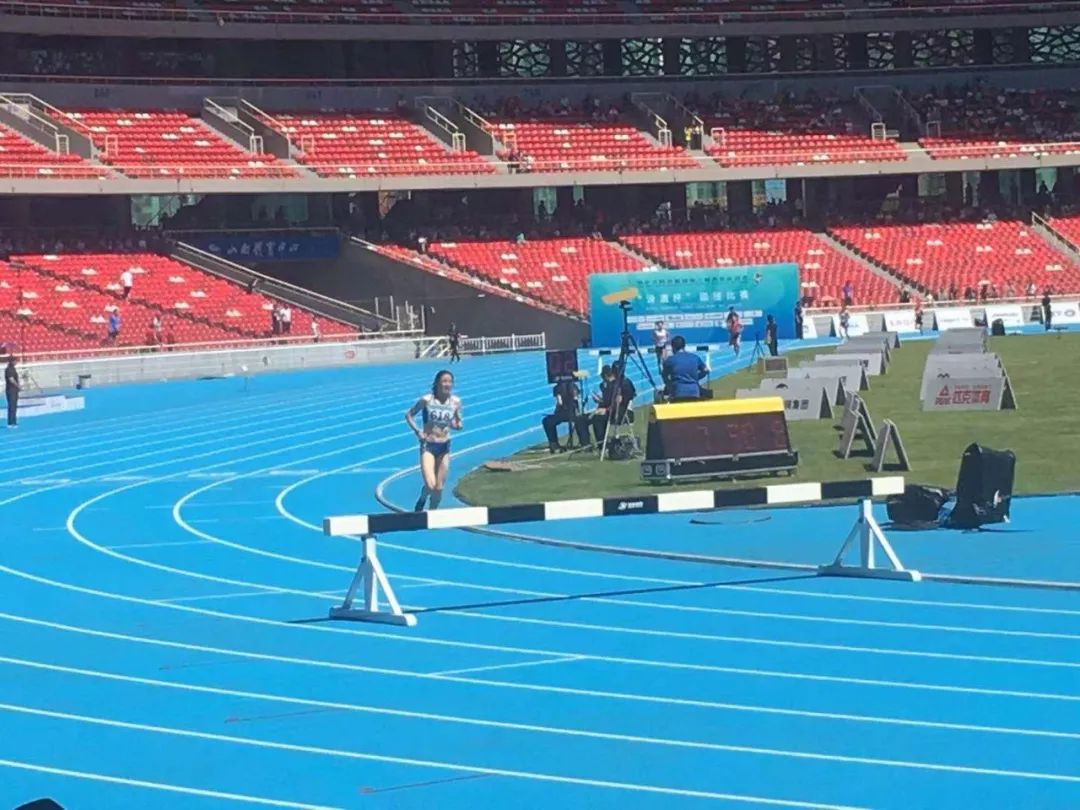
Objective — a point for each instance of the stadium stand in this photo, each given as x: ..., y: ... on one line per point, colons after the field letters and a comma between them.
x: 551, y: 270
x: 568, y: 143
x: 948, y: 259
x: 792, y: 131
x: 22, y: 157
x: 352, y: 144
x: 823, y: 269
x: 985, y: 121
x: 1068, y: 227
x: 76, y: 291
x: 159, y: 143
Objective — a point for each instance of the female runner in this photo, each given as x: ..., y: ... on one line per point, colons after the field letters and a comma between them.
x: 441, y: 413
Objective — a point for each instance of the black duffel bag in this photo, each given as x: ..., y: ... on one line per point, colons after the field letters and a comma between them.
x: 918, y: 506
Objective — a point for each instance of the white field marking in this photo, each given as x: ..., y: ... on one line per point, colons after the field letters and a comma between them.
x: 643, y: 662
x: 140, y: 783
x: 230, y: 417
x: 221, y: 505
x: 159, y: 545
x: 637, y: 603
x: 413, y: 715
x: 493, y: 667
x: 280, y: 416
x: 645, y: 604
x: 233, y: 595
x: 279, y: 439
x: 895, y: 600
x: 195, y: 413
x: 756, y: 673
x: 341, y: 753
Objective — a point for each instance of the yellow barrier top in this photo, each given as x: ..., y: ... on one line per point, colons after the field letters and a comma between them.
x: 715, y: 407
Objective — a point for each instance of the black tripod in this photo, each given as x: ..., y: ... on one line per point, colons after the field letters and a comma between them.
x: 759, y: 350
x: 628, y: 350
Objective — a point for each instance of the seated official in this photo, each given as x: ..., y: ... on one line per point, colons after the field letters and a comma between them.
x: 566, y: 411
x: 611, y: 396
x: 683, y: 372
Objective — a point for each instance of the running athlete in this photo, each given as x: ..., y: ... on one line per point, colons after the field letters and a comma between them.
x: 441, y: 413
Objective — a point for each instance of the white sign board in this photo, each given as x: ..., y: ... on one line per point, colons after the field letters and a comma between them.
x: 953, y: 318
x: 873, y: 362
x: 973, y: 393
x: 1010, y: 315
x: 809, y: 329
x: 1064, y: 313
x: 857, y: 324
x: 900, y: 320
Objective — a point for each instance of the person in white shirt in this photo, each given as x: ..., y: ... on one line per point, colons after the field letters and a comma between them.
x: 315, y: 333
x: 127, y: 281
x: 660, y: 344
x: 286, y: 319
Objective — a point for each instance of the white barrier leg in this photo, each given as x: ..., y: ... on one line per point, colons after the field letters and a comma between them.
x: 870, y: 537
x: 370, y: 574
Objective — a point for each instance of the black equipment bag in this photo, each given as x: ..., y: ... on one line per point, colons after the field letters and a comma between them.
x: 997, y: 328
x: 983, y: 488
x: 918, y: 505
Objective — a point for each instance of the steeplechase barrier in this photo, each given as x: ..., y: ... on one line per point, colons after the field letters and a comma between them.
x: 866, y: 537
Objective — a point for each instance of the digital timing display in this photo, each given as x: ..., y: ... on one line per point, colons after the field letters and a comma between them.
x: 731, y: 435
x: 562, y: 365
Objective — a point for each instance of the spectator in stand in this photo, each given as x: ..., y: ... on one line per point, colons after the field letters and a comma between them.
x: 127, y: 281
x: 848, y: 292
x: 1031, y: 289
x: 316, y: 335
x: 114, y: 325
x: 918, y: 316
x: 156, y: 330
x: 953, y: 292
x: 1048, y: 312
x: 286, y: 319
x: 12, y: 386
x: 275, y: 321
x: 1010, y: 291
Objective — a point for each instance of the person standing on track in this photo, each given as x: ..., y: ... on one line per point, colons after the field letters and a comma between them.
x: 12, y: 386
x: 441, y: 412
x: 453, y: 337
x: 660, y: 344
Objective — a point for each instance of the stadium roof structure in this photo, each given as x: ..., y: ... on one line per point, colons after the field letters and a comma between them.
x: 340, y: 21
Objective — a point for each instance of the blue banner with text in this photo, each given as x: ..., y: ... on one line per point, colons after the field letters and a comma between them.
x: 694, y: 303
x: 270, y: 247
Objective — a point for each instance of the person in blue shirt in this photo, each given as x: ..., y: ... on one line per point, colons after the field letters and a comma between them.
x: 683, y: 372
x: 114, y: 325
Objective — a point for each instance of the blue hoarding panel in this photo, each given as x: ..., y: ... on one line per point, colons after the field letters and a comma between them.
x: 694, y: 303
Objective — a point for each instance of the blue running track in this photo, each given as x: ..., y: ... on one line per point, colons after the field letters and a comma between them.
x: 164, y: 584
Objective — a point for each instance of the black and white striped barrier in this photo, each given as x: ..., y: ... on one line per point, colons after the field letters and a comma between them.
x: 866, y: 531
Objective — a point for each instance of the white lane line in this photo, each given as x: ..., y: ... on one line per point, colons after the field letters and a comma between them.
x: 892, y: 600
x: 494, y: 667
x: 140, y: 783
x: 327, y: 705
x: 541, y: 688
x: 238, y: 595
x: 160, y: 545
x: 282, y: 416
x: 342, y: 753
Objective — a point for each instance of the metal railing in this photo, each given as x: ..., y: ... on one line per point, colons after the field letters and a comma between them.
x: 221, y: 16
x: 988, y: 147
x: 53, y: 372
x: 499, y: 345
x: 318, y: 303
